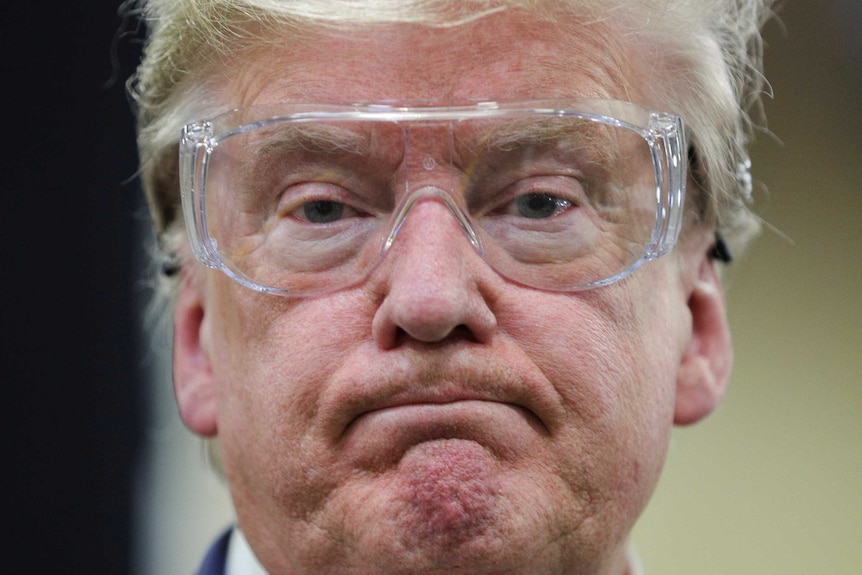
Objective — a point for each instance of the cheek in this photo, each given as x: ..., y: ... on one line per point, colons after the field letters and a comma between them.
x: 272, y: 358
x: 611, y: 352
x: 278, y: 351
x: 612, y: 355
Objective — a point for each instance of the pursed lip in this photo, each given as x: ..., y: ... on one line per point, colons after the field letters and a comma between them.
x: 429, y: 403
x: 445, y: 394
x: 385, y: 402
x: 389, y: 426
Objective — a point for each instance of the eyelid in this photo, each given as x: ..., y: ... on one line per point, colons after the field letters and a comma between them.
x: 546, y: 184
x: 298, y: 195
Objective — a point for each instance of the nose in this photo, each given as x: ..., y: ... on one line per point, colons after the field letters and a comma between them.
x: 435, y: 283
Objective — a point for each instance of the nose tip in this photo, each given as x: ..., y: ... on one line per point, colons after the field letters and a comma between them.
x: 426, y: 319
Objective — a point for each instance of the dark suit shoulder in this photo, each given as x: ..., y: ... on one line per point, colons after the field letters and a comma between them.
x: 216, y: 558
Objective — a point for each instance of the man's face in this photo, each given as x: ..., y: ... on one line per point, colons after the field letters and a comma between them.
x: 437, y: 416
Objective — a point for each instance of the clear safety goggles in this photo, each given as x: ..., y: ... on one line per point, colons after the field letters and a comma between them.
x: 562, y: 195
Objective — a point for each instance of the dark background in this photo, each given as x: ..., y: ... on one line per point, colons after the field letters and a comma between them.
x: 70, y: 207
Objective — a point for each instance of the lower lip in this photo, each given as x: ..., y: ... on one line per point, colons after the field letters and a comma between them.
x: 384, y: 435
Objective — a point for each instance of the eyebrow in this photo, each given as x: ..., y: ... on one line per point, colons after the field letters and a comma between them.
x: 471, y: 139
x: 544, y: 133
x: 311, y: 137
x: 326, y: 140
x: 537, y: 131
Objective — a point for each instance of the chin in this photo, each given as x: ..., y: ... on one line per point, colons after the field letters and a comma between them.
x: 450, y: 507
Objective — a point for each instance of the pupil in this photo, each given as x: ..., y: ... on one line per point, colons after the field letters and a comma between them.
x: 537, y: 205
x: 323, y: 211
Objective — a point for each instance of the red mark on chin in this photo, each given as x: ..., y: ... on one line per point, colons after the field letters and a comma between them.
x: 451, y: 488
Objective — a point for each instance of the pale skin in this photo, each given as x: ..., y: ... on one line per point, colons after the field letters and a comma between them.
x: 436, y: 417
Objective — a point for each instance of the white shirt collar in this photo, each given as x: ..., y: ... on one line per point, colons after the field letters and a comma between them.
x: 636, y: 566
x: 240, y: 557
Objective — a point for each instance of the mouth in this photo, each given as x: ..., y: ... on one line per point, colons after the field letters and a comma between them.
x: 385, y: 433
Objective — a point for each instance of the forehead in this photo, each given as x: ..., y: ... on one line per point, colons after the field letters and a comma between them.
x: 503, y: 56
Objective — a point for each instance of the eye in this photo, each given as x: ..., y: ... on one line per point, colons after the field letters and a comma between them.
x: 538, y: 205
x: 320, y: 211
x: 526, y: 198
x: 319, y: 204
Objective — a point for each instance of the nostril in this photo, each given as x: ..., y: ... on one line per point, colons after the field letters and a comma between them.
x: 463, y: 332
x: 430, y: 336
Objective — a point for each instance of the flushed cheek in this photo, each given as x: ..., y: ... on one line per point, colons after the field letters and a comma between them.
x: 599, y: 351
x: 283, y: 347
x: 591, y: 349
x: 251, y: 362
x: 284, y: 360
x: 627, y: 339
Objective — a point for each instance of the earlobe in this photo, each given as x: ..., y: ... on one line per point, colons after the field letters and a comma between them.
x: 192, y: 371
x: 706, y: 364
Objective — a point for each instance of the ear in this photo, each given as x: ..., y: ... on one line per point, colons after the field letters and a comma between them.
x: 193, y: 378
x: 706, y: 363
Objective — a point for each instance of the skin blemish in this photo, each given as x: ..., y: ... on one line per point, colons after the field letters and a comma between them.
x: 450, y: 489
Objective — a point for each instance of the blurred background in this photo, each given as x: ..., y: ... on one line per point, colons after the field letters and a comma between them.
x: 103, y: 478
x: 772, y: 482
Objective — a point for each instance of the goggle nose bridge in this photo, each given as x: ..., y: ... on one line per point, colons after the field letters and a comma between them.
x: 432, y: 193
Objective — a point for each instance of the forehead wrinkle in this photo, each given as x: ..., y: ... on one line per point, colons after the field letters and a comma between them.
x: 567, y: 58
